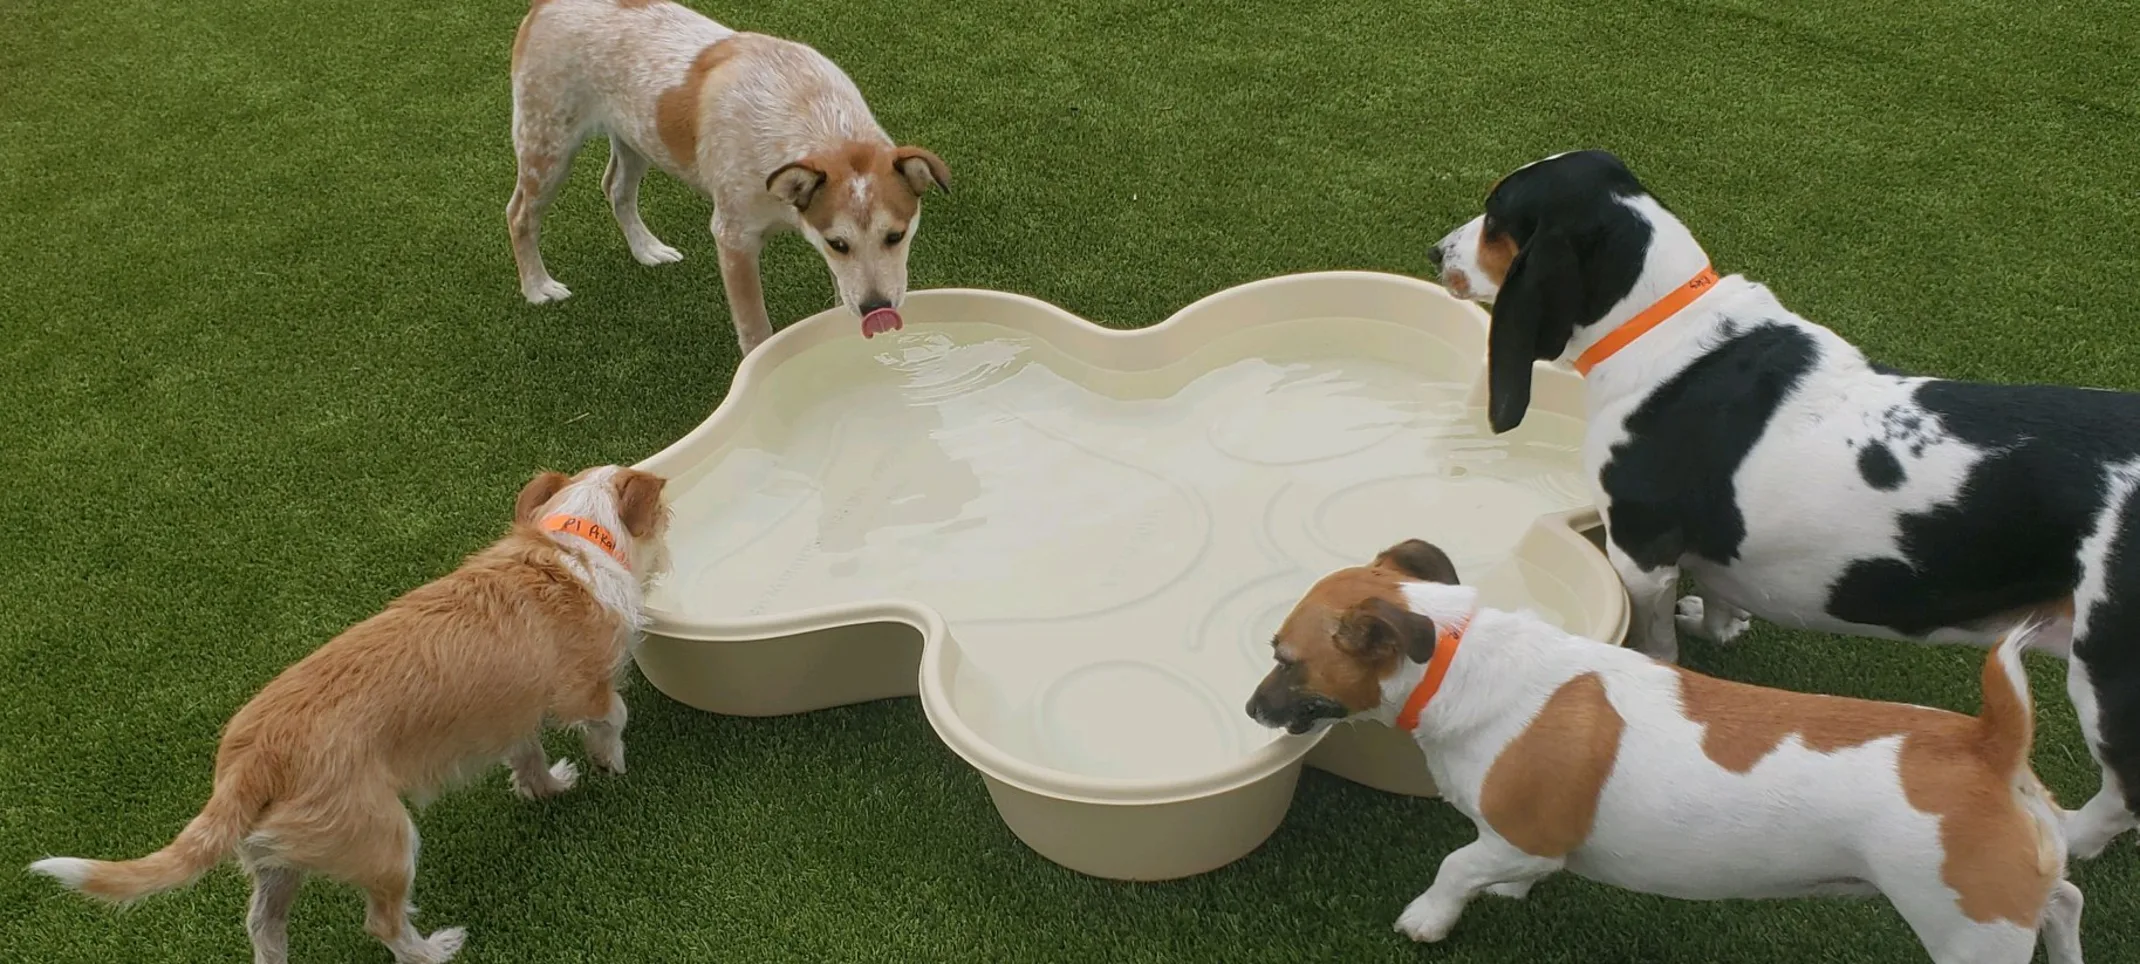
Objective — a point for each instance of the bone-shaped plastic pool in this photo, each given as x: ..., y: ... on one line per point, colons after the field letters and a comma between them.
x: 1074, y: 543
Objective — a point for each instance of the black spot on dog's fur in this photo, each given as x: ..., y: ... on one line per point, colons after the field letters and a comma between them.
x: 2011, y: 536
x: 1877, y: 463
x: 1670, y: 484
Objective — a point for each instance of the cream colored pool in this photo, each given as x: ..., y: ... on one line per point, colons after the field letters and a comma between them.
x: 1074, y: 543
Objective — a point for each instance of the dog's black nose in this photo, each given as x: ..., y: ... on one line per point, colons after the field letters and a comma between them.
x: 1434, y: 257
x: 875, y: 304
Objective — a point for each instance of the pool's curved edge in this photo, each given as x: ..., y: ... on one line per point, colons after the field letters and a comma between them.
x: 801, y: 661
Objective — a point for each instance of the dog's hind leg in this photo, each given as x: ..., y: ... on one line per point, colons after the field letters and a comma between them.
x: 620, y: 180
x: 2061, y: 928
x: 1486, y: 863
x: 2103, y: 675
x: 1932, y: 909
x: 2110, y: 723
x: 534, y: 776
x: 546, y: 135
x: 267, y: 920
x: 384, y: 864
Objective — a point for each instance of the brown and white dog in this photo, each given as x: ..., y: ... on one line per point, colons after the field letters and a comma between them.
x: 1570, y: 754
x: 443, y: 683
x: 769, y: 129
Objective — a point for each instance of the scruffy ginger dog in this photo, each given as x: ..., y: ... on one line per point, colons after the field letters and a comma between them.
x: 771, y: 130
x: 1570, y: 754
x: 446, y: 681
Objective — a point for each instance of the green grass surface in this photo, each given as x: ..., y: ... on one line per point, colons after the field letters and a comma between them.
x: 263, y: 365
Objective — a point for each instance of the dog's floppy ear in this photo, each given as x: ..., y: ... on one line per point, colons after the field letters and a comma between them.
x: 539, y: 490
x: 639, y: 500
x: 1377, y: 626
x: 1419, y: 559
x: 920, y: 167
x: 1534, y: 316
x: 796, y: 182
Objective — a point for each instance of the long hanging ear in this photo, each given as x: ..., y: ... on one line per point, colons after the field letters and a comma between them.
x: 920, y: 167
x: 1377, y: 627
x: 539, y: 490
x: 1534, y: 315
x: 639, y: 501
x: 796, y: 183
x: 1419, y: 559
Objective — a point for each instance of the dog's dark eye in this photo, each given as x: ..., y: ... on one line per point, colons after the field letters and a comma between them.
x: 836, y: 244
x: 893, y: 238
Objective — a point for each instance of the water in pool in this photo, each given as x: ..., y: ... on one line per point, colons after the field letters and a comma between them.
x: 1111, y: 549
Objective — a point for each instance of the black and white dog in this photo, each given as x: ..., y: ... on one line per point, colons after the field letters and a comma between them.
x: 1795, y: 480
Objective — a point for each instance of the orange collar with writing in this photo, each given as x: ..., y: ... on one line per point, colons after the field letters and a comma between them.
x: 1445, y: 644
x: 589, y: 530
x: 1650, y: 317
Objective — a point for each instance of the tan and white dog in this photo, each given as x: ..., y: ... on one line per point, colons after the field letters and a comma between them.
x: 443, y: 683
x: 1570, y: 754
x: 769, y: 129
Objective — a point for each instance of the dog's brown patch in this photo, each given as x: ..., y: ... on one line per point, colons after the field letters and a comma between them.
x: 1742, y: 724
x: 1541, y: 794
x: 1496, y: 252
x: 1957, y: 768
x: 676, y: 110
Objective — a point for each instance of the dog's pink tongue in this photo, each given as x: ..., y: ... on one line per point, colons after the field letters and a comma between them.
x: 880, y: 321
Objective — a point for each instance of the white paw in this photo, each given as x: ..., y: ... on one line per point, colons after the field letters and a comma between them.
x: 1424, y: 922
x: 545, y: 291
x: 1694, y: 619
x: 1513, y: 890
x: 561, y: 777
x: 656, y: 253
x: 446, y: 943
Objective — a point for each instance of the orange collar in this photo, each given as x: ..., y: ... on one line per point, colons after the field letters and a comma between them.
x: 1650, y: 317
x: 589, y: 530
x: 1445, y: 644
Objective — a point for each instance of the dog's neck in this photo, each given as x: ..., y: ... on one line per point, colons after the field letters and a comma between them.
x: 1448, y: 605
x: 602, y: 565
x: 1672, y: 258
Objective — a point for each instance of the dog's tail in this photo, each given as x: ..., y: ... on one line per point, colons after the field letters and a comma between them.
x: 2006, y: 726
x: 231, y: 812
x: 2006, y: 730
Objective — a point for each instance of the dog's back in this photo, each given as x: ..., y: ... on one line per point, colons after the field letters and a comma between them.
x: 445, y: 679
x: 669, y: 81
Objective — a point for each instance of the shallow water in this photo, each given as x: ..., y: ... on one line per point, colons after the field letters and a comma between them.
x: 1112, y: 550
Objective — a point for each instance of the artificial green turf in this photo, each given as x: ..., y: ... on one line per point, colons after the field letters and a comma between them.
x: 264, y: 365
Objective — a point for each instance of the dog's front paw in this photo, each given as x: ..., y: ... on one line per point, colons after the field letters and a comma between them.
x: 609, y: 756
x: 561, y: 777
x: 1719, y: 624
x: 545, y: 291
x: 441, y: 946
x: 1425, y: 921
x: 656, y: 253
